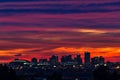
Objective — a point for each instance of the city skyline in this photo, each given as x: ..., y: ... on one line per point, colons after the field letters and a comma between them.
x: 81, y: 59
x: 55, y: 59
x: 41, y: 28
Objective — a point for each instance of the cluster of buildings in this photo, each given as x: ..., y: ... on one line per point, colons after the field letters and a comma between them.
x: 66, y: 60
x: 76, y: 68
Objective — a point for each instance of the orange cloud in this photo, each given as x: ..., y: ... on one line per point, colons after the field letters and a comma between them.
x: 106, y: 51
x: 110, y: 53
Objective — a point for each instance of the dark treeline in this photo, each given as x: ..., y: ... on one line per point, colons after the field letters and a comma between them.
x: 7, y: 73
x: 103, y: 73
x: 100, y: 73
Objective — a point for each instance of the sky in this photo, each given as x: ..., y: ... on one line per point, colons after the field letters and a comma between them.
x: 41, y: 28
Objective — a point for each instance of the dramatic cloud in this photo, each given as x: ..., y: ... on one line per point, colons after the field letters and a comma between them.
x: 46, y: 27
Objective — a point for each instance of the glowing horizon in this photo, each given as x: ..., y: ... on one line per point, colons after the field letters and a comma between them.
x: 35, y: 28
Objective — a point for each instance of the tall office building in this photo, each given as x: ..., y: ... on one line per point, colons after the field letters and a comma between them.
x: 34, y: 60
x: 69, y: 58
x: 66, y: 58
x: 87, y: 57
x: 43, y: 60
x: 95, y: 60
x: 63, y: 59
x: 54, y: 59
x: 98, y: 60
x: 101, y: 60
x: 78, y: 59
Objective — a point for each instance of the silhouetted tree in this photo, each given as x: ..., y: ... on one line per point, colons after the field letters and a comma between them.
x: 55, y: 76
x: 101, y: 73
x: 7, y: 73
x: 115, y: 75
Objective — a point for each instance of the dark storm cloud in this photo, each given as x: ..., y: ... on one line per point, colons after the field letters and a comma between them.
x: 57, y: 8
x: 56, y: 11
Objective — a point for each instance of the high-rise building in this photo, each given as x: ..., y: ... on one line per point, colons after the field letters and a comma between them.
x: 34, y: 60
x: 43, y: 60
x: 95, y: 60
x: 101, y: 60
x: 78, y: 59
x: 87, y: 57
x: 98, y: 60
x: 63, y: 59
x: 54, y: 59
x: 67, y: 58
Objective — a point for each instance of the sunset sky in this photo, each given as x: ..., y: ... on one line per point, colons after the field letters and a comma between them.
x: 41, y: 28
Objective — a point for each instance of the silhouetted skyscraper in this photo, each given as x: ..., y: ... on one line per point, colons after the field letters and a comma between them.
x: 101, y: 60
x: 87, y: 57
x: 63, y: 59
x: 98, y: 60
x: 95, y: 60
x: 54, y: 59
x: 34, y: 60
x: 43, y: 60
x: 67, y: 58
x: 78, y: 59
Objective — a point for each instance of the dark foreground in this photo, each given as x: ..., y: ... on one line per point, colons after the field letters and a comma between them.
x: 66, y: 73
